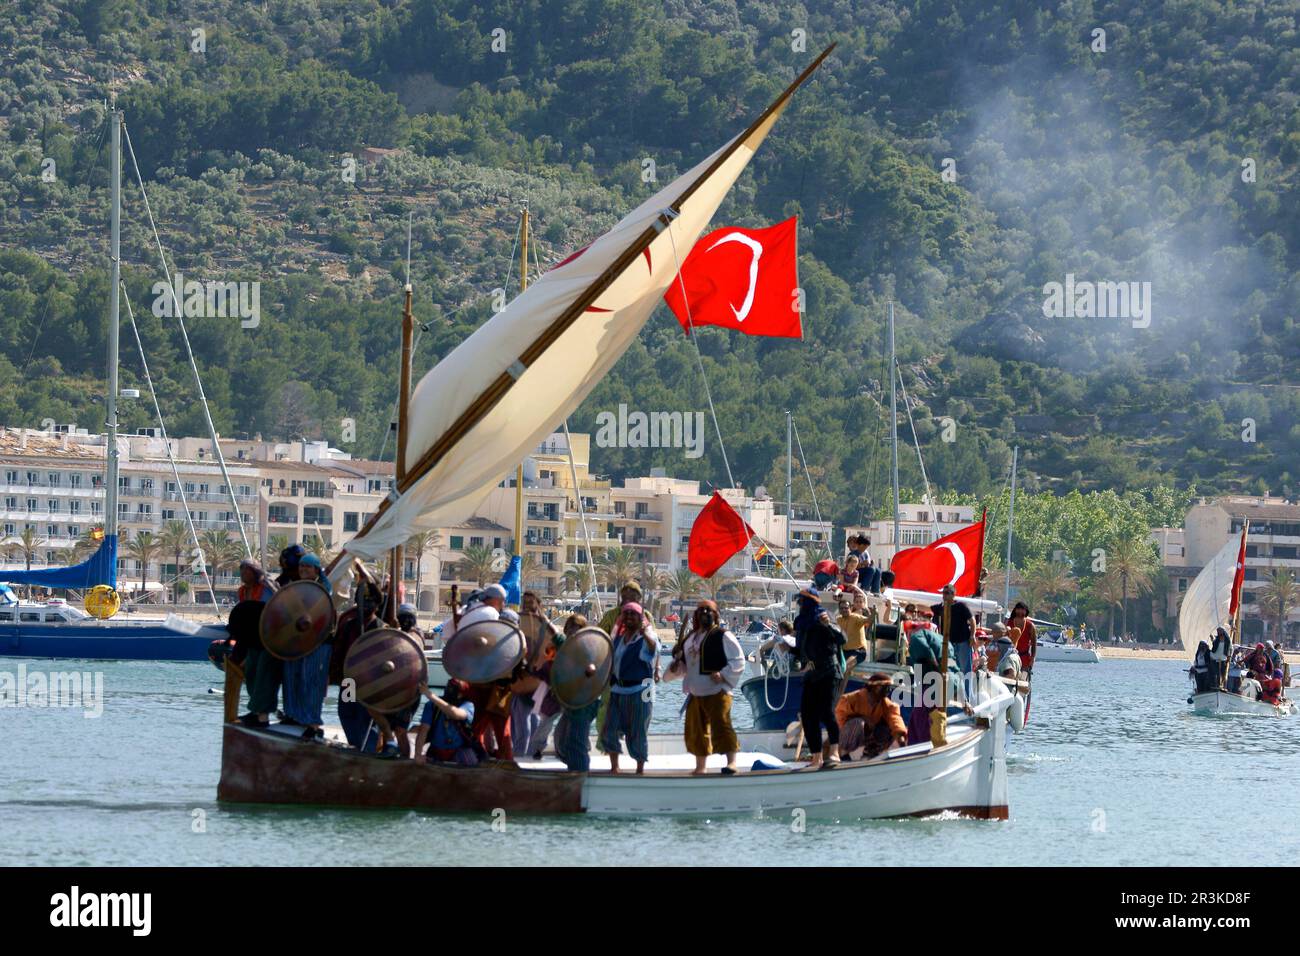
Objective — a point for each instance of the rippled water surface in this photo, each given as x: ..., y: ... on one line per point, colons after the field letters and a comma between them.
x: 1112, y: 770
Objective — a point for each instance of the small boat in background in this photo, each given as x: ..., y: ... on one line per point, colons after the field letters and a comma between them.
x: 1213, y: 601
x: 1056, y: 645
x: 59, y: 630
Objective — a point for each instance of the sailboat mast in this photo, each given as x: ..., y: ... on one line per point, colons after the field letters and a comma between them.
x: 789, y: 482
x: 893, y: 420
x: 398, y: 559
x: 110, y: 399
x: 1011, y: 523
x: 519, y: 471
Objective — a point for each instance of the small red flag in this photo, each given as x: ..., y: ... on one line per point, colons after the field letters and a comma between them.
x: 718, y: 533
x: 953, y: 559
x: 744, y: 279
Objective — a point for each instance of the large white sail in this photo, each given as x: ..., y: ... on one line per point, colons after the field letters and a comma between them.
x: 1206, y: 601
x: 486, y: 405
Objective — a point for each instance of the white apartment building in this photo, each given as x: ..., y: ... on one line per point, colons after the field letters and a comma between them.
x: 309, y: 493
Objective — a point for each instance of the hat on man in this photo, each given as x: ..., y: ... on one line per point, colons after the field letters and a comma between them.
x: 493, y: 591
x: 631, y: 585
x: 309, y: 560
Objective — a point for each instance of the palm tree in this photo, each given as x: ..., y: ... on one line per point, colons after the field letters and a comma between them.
x: 274, y: 545
x: 616, y: 566
x: 417, y: 547
x: 652, y: 584
x: 175, y: 540
x: 1109, y: 591
x: 29, y: 542
x: 144, y: 548
x: 220, y: 552
x: 1276, y: 599
x: 1045, y: 583
x: 476, y: 563
x: 577, y: 578
x: 682, y: 584
x: 1134, y: 560
x: 317, y: 546
x: 88, y: 542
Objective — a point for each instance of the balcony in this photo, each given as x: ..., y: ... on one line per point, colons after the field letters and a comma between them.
x: 220, y: 525
x: 548, y: 517
x: 326, y: 492
x: 644, y: 542
x: 209, y: 497
x: 135, y: 491
x: 642, y: 516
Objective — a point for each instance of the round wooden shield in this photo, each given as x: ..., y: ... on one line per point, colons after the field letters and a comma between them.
x: 388, y: 668
x: 296, y: 620
x: 484, y: 651
x: 537, y: 630
x: 582, y: 667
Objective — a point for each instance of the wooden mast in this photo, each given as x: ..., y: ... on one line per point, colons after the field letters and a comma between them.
x: 403, y: 419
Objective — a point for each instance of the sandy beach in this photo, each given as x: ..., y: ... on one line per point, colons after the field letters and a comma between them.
x: 1120, y: 652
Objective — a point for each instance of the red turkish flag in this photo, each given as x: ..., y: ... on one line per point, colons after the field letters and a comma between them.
x: 718, y: 533
x: 954, y: 559
x: 742, y: 279
x: 1238, y: 577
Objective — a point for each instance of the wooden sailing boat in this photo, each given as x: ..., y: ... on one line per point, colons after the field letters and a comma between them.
x: 471, y: 420
x: 1213, y: 600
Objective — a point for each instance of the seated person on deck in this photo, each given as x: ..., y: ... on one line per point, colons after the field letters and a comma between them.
x: 1271, y: 688
x: 445, y: 726
x: 870, y: 723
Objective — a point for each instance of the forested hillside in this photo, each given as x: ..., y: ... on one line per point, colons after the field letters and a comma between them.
x: 1170, y: 158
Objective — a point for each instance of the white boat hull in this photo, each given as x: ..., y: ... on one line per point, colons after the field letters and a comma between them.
x: 1221, y: 702
x: 966, y: 777
x: 1066, y: 654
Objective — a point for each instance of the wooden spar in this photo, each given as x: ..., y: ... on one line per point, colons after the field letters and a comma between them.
x: 519, y: 471
x: 498, y: 387
x: 939, y: 718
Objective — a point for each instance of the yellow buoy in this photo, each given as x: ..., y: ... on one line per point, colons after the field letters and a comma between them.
x: 102, y: 602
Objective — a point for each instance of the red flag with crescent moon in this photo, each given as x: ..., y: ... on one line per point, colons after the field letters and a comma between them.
x: 746, y: 279
x: 954, y: 559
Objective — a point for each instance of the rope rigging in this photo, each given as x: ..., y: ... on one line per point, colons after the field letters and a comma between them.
x: 189, y: 352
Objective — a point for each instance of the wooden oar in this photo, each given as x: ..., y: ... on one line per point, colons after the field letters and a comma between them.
x: 234, y: 681
x: 939, y: 718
